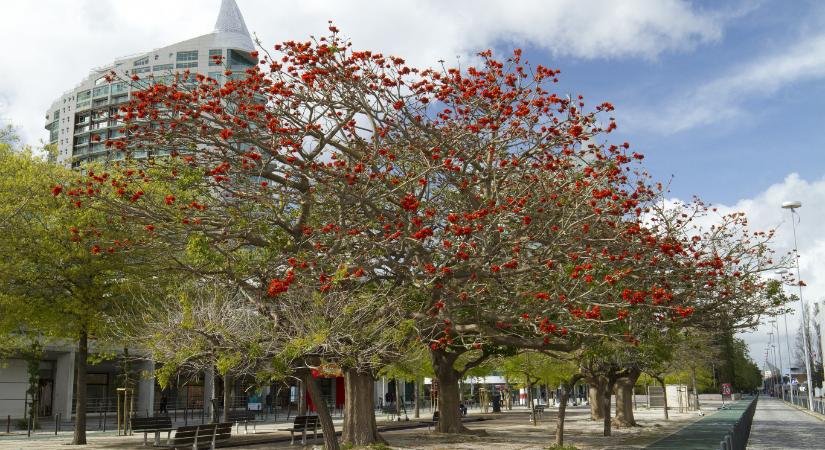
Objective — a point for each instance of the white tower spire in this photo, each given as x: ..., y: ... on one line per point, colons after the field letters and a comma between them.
x: 230, y: 28
x: 230, y: 19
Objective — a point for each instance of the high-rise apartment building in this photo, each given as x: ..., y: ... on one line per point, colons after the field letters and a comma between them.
x: 77, y: 115
x: 84, y: 117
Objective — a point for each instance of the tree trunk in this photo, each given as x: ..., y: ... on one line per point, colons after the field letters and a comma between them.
x: 417, y: 394
x: 302, y: 400
x: 227, y: 397
x: 330, y: 440
x: 359, y: 409
x: 565, y: 394
x: 608, y: 392
x: 398, y: 399
x: 449, y: 420
x: 80, y: 395
x: 530, y: 403
x: 624, y: 400
x: 596, y: 386
x: 664, y: 394
x: 696, y: 392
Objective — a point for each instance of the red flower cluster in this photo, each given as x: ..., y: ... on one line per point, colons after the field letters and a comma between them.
x: 279, y: 286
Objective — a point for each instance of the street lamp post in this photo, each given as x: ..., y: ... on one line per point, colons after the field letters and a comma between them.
x: 781, y: 371
x: 778, y: 378
x: 772, y: 359
x: 787, y: 347
x: 793, y: 206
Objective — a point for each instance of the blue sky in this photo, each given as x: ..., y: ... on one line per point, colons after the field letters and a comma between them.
x: 773, y: 132
x: 726, y: 97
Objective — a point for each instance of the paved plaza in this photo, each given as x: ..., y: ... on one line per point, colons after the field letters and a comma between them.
x: 510, y: 430
x: 776, y: 425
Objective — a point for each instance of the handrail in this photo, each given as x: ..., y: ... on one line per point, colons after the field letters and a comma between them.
x: 737, y: 437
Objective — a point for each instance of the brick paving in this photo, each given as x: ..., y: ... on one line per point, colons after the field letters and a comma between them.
x: 778, y: 425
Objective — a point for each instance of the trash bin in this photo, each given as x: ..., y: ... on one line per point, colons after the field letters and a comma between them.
x: 496, y: 403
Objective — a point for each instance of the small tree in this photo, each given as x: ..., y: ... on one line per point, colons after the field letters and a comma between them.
x: 54, y: 280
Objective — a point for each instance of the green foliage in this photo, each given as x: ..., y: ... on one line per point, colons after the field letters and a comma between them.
x: 538, y: 367
x: 414, y: 365
x: 50, y: 279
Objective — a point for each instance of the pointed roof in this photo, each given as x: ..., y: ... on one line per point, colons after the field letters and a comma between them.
x: 230, y: 19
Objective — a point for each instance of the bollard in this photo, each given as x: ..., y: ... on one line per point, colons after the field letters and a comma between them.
x: 104, y: 420
x: 8, y: 424
x: 55, y: 424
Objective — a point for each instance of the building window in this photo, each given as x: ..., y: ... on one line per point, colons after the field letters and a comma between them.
x: 188, y: 56
x: 186, y: 65
x: 119, y: 87
x: 101, y: 90
x: 214, y: 56
x: 163, y: 67
x: 141, y: 62
x: 85, y: 95
x: 142, y: 70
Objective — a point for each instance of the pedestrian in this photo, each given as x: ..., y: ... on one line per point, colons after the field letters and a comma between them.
x: 163, y: 402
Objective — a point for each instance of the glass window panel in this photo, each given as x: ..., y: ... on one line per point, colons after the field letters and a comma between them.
x: 188, y: 56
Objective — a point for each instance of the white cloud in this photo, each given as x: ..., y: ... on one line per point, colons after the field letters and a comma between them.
x: 52, y: 44
x: 764, y: 212
x: 726, y: 97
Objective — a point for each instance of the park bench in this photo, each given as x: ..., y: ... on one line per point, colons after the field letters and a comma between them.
x: 390, y: 410
x: 200, y: 436
x: 434, y: 422
x: 303, y: 424
x: 155, y: 425
x: 245, y: 417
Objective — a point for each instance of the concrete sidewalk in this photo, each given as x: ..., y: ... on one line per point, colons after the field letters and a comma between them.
x: 778, y: 425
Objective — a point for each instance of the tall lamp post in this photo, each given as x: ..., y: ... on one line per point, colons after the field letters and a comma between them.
x: 772, y: 360
x: 793, y: 206
x: 781, y: 371
x: 781, y: 273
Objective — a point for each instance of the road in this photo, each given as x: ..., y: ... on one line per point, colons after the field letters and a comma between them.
x: 777, y: 425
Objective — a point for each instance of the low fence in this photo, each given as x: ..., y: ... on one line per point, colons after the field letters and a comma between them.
x: 801, y: 399
x: 737, y: 437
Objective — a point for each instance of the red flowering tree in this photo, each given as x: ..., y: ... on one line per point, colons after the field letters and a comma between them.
x: 493, y: 204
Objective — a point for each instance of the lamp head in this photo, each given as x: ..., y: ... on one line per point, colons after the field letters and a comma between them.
x: 792, y: 205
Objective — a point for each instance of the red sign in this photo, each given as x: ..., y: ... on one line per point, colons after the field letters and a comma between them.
x: 726, y: 389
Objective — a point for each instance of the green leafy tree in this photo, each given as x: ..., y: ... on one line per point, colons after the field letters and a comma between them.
x: 52, y: 281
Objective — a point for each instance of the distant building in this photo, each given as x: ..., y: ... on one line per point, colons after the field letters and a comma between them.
x: 73, y: 119
x: 81, y: 119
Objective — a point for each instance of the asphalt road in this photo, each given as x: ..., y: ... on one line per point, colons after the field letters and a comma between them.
x: 777, y: 425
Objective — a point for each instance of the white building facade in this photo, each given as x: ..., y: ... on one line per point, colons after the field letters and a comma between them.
x: 82, y: 119
x: 79, y: 122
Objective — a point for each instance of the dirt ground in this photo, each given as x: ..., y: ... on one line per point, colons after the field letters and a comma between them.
x: 510, y: 430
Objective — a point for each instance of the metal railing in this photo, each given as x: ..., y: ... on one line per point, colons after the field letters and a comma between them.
x: 802, y: 400
x: 737, y: 437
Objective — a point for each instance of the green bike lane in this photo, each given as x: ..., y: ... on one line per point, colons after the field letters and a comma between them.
x: 707, y: 432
